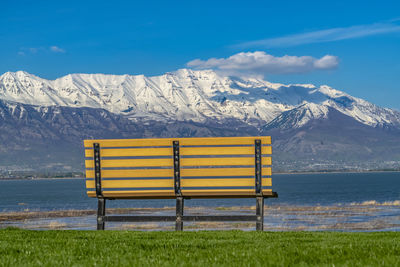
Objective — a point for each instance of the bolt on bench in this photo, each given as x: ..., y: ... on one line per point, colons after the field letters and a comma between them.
x: 181, y: 168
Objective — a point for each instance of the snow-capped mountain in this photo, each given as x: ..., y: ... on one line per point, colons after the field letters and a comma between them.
x: 188, y: 95
x: 43, y: 122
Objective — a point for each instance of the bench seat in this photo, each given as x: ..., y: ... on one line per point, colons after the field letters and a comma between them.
x: 144, y: 168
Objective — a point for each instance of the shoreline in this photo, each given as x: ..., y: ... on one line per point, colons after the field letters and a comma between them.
x: 31, y: 214
x: 363, y: 217
x: 6, y: 216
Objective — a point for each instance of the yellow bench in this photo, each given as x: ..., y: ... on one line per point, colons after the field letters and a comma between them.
x: 214, y: 167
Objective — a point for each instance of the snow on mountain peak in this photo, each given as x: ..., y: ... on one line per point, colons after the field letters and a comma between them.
x: 188, y: 94
x: 299, y: 116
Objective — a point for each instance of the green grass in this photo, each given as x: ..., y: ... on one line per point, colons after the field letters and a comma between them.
x: 203, y: 248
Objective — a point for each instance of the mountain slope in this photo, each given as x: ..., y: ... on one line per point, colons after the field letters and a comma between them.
x: 43, y: 122
x: 51, y: 138
x: 186, y: 95
x: 332, y: 140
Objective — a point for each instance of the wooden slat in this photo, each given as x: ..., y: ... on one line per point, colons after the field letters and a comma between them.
x: 189, y: 151
x: 266, y: 161
x: 266, y: 140
x: 184, y: 172
x: 234, y: 161
x: 90, y: 184
x: 115, y: 163
x: 132, y: 152
x: 192, y: 151
x: 209, y: 172
x: 132, y: 183
x: 217, y: 172
x: 227, y: 193
x: 219, y: 192
x: 169, y: 194
x: 129, y: 142
x: 91, y: 193
x: 267, y: 171
x: 136, y: 194
x: 266, y: 182
x: 267, y: 191
x: 184, y: 183
x: 212, y: 161
x: 132, y: 173
x: 222, y: 182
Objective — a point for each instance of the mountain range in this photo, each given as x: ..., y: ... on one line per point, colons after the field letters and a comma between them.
x: 43, y: 122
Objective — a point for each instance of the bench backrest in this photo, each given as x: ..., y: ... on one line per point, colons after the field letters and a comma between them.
x: 167, y: 167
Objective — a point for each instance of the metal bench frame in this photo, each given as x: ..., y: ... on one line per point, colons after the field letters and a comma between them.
x: 179, y: 218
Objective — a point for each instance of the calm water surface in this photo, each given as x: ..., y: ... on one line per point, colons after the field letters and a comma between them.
x: 313, y: 202
x: 293, y: 189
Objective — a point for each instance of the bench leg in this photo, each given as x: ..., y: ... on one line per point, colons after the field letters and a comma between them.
x: 101, y: 211
x: 260, y: 214
x: 179, y: 214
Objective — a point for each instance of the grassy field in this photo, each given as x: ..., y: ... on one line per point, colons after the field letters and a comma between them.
x: 203, y: 248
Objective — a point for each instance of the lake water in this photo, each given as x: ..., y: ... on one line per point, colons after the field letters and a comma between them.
x: 333, y: 201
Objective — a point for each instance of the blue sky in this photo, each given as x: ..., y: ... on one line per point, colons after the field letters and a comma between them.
x: 353, y: 46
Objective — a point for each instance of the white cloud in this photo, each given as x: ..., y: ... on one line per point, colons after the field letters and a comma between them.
x: 260, y: 63
x: 23, y: 51
x: 326, y: 62
x: 38, y: 50
x: 323, y: 36
x: 56, y: 49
